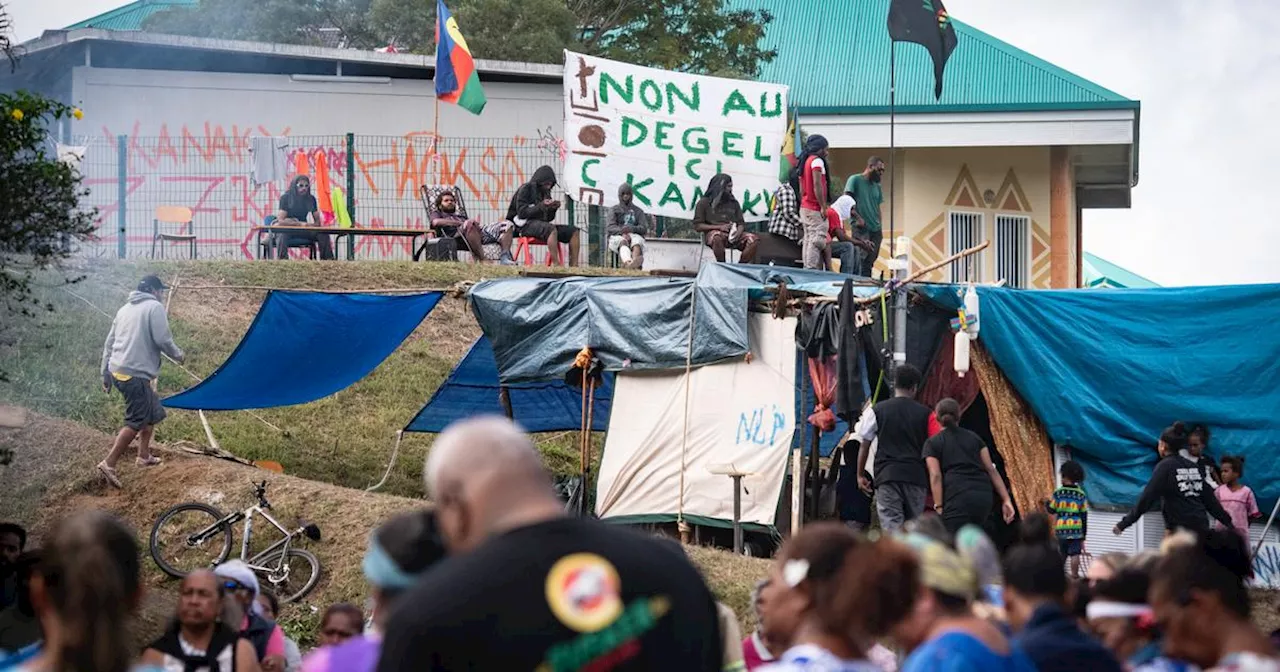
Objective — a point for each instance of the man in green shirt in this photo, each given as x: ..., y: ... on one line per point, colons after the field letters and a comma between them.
x: 865, y: 190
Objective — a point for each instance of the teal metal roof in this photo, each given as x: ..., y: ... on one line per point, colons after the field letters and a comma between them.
x: 1099, y: 272
x: 835, y: 57
x: 130, y: 16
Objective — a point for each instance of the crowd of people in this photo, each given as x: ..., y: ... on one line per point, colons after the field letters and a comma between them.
x: 498, y: 576
x: 805, y: 213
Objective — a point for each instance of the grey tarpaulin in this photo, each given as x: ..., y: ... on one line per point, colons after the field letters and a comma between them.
x: 537, y: 325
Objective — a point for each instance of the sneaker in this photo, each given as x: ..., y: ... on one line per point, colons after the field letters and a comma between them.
x: 151, y: 461
x: 109, y: 474
x: 506, y: 259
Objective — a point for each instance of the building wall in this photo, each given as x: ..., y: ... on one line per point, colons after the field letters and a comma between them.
x: 983, y: 181
x: 188, y: 134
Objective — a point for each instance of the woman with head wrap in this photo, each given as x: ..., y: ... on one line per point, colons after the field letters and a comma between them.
x: 942, y: 632
x: 718, y: 217
x: 400, y: 551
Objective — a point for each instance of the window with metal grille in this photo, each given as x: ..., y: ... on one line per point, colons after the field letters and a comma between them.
x: 1013, y: 250
x: 965, y: 231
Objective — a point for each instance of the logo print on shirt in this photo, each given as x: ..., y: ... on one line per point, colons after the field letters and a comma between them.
x: 1190, y: 481
x: 584, y: 592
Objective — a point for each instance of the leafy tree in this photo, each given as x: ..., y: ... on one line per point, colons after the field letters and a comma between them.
x: 700, y: 36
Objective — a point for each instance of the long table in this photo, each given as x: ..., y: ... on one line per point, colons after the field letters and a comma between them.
x: 349, y: 233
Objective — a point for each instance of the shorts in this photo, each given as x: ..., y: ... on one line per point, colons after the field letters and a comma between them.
x: 615, y: 242
x: 142, y: 407
x: 1071, y: 547
x: 541, y: 231
x: 740, y: 244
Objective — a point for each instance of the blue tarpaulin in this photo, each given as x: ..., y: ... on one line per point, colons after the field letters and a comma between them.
x: 759, y: 280
x: 304, y: 346
x: 472, y: 389
x: 538, y: 326
x: 1107, y: 371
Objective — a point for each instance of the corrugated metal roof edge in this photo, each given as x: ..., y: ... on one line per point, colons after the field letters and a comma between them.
x: 999, y: 107
x: 129, y: 8
x: 1033, y: 60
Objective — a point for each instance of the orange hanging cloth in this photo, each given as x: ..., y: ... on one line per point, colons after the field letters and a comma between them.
x: 301, y: 167
x: 321, y: 187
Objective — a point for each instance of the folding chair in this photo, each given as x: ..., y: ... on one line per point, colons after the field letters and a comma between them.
x: 429, y: 194
x: 172, y: 215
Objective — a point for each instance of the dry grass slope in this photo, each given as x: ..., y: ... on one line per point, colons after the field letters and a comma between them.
x: 345, y: 439
x: 52, y: 474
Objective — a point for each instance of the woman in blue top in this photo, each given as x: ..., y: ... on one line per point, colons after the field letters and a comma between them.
x: 942, y: 632
x: 85, y: 592
x: 831, y: 593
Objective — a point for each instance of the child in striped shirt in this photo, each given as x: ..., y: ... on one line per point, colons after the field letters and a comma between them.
x: 1069, y: 507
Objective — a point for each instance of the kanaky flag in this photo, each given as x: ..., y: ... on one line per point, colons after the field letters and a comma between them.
x: 788, y: 158
x: 457, y: 81
x: 926, y: 23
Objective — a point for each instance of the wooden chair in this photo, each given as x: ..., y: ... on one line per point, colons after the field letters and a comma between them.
x: 171, y: 215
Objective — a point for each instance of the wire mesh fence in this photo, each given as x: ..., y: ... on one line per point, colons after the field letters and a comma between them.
x: 135, y: 182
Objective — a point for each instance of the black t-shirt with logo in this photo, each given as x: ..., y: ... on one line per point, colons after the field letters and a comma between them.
x: 902, y: 425
x: 1179, y: 485
x: 566, y: 594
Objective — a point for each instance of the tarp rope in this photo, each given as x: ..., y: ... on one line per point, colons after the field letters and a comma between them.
x: 684, y: 438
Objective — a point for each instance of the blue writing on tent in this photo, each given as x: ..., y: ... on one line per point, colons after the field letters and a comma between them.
x: 760, y: 426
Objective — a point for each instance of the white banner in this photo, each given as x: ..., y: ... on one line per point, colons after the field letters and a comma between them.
x: 741, y: 418
x: 667, y: 133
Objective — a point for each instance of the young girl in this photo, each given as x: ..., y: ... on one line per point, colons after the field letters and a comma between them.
x: 1237, y: 498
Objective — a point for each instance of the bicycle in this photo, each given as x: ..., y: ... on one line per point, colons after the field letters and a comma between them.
x: 271, y: 564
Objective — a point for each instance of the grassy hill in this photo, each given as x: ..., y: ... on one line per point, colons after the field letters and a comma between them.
x: 52, y: 364
x: 52, y: 474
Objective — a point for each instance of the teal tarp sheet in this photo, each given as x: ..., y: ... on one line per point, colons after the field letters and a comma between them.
x: 537, y: 326
x: 1107, y: 371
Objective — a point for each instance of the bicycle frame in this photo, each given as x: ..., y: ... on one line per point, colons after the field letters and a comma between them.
x: 247, y: 516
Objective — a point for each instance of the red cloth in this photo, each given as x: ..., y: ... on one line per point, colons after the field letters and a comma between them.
x: 822, y: 373
x: 942, y: 381
x: 934, y: 425
x: 833, y: 222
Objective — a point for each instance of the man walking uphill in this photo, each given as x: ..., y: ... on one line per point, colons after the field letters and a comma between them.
x: 130, y: 362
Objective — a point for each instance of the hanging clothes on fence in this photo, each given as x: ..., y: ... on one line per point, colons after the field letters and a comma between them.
x: 302, y: 164
x: 322, y: 187
x: 339, y: 202
x: 270, y: 159
x: 851, y: 362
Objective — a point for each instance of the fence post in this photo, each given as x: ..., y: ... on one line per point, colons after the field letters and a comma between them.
x: 351, y: 192
x: 122, y: 191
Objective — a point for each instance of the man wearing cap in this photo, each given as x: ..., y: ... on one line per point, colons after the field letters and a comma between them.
x: 130, y: 363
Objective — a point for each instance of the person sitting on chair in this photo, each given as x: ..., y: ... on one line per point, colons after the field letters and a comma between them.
x: 718, y: 217
x: 627, y: 226
x: 294, y: 207
x: 448, y: 223
x: 532, y: 210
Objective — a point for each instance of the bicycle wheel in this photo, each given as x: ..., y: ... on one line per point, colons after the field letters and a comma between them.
x: 290, y: 577
x: 174, y: 546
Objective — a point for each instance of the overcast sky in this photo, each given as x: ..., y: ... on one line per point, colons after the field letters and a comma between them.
x: 1208, y: 76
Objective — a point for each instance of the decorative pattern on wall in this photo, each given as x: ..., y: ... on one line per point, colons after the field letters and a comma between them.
x: 930, y: 242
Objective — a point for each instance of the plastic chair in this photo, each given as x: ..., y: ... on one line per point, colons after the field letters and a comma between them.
x: 524, y: 251
x: 172, y: 215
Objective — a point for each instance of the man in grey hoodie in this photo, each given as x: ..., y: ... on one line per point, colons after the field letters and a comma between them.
x: 130, y: 362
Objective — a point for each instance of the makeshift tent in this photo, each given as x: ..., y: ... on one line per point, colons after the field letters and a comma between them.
x: 538, y: 326
x: 1107, y: 371
x: 739, y: 415
x: 472, y: 388
x: 304, y: 346
x: 759, y: 281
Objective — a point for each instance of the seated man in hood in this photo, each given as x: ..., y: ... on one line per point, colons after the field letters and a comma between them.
x: 533, y: 211
x: 447, y: 222
x: 627, y: 226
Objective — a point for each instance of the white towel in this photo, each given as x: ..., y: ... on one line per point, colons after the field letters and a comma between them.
x: 270, y: 159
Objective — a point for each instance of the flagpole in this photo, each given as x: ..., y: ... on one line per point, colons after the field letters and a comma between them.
x: 893, y: 181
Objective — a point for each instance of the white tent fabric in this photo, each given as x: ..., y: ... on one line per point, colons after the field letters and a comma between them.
x: 740, y: 417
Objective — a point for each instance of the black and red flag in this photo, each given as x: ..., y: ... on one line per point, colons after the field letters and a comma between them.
x: 924, y: 22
